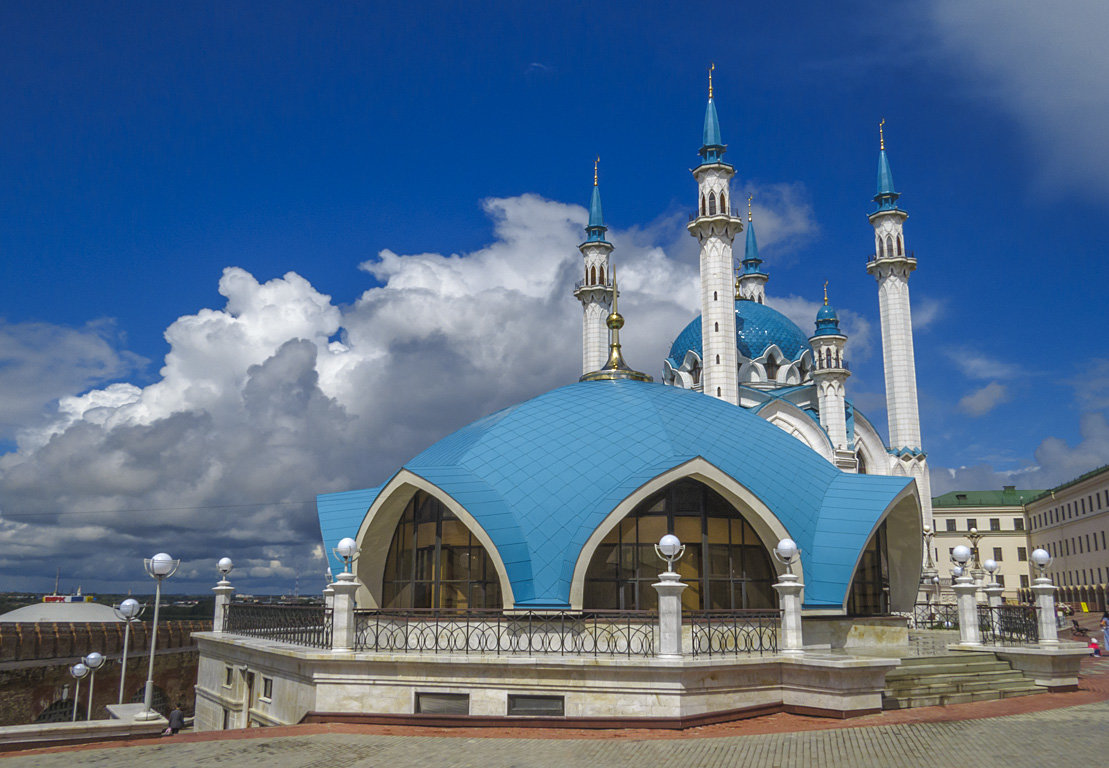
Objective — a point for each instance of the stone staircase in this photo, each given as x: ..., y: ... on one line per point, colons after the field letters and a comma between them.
x: 927, y: 681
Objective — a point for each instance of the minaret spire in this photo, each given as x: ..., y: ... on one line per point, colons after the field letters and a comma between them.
x: 595, y: 291
x: 891, y: 265
x: 751, y: 283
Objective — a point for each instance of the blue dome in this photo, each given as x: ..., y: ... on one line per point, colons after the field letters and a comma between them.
x: 826, y: 313
x: 757, y: 326
x: 827, y: 322
x: 541, y: 476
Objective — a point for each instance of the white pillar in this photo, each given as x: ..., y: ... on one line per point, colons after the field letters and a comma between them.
x: 993, y: 592
x: 965, y: 591
x: 329, y: 597
x: 789, y: 598
x: 1045, y: 607
x: 223, y: 590
x: 669, y: 588
x: 342, y: 615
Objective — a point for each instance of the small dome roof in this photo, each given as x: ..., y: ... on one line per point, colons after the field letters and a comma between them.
x: 541, y: 476
x: 757, y: 326
x: 61, y: 612
x: 826, y: 313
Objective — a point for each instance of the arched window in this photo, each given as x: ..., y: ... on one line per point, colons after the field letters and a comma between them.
x: 827, y: 358
x: 760, y: 299
x: 718, y: 391
x: 716, y: 326
x: 592, y: 275
x: 723, y: 204
x: 714, y: 295
x: 861, y: 460
x: 712, y: 204
x: 725, y: 564
x: 837, y: 358
x: 718, y: 359
x: 602, y: 274
x: 900, y: 247
x: 771, y: 365
x: 889, y: 245
x: 881, y: 249
x: 703, y: 205
x: 435, y: 561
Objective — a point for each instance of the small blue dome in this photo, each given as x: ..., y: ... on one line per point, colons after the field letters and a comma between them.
x: 827, y: 322
x: 757, y: 326
x: 826, y: 313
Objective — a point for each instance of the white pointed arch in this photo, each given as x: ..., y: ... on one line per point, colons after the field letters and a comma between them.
x: 870, y: 446
x: 766, y: 524
x: 375, y: 534
x: 789, y: 418
x: 904, y: 531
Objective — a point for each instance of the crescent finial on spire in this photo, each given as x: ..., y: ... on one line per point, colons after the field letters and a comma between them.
x: 595, y: 164
x: 825, y: 293
x: 712, y: 66
x: 881, y: 135
x: 749, y: 198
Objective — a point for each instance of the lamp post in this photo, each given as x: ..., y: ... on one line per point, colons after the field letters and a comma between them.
x: 159, y: 567
x: 129, y: 611
x: 223, y: 590
x: 93, y: 661
x: 993, y: 592
x: 670, y: 587
x: 1045, y: 598
x: 342, y: 610
x: 789, y: 590
x: 78, y: 670
x: 965, y: 596
x: 976, y: 570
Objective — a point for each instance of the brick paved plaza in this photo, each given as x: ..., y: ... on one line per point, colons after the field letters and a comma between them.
x: 979, y: 735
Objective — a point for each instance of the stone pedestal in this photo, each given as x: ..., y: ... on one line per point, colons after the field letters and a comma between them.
x: 1045, y: 607
x: 669, y: 588
x: 965, y: 595
x: 329, y: 597
x: 993, y: 592
x: 789, y: 598
x: 223, y: 590
x: 342, y: 613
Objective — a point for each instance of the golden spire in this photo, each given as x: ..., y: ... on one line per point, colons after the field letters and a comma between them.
x: 749, y: 197
x: 881, y: 135
x: 595, y: 164
x: 711, y: 68
x: 825, y: 293
x: 615, y: 368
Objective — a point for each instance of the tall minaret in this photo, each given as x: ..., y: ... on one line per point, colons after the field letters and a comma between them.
x: 595, y: 290
x: 891, y: 265
x: 715, y: 228
x: 751, y: 283
x: 830, y: 377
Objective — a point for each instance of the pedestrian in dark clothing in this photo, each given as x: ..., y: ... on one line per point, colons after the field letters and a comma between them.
x: 176, y: 720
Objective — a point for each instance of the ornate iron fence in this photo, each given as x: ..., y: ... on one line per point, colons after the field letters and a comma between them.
x: 934, y: 616
x: 595, y: 633
x: 307, y: 625
x: 1008, y: 624
x: 733, y: 632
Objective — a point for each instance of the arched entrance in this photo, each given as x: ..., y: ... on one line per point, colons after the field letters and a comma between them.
x: 434, y: 561
x: 870, y: 588
x: 725, y: 564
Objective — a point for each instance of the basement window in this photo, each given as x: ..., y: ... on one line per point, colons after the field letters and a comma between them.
x: 228, y: 677
x: 536, y: 706
x: 442, y: 703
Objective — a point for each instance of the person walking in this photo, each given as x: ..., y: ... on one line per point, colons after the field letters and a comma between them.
x: 1104, y: 624
x: 176, y: 720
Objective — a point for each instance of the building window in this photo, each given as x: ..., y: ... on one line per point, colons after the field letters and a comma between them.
x: 442, y: 703
x: 995, y: 524
x: 716, y: 326
x: 972, y: 522
x: 228, y: 677
x: 725, y: 564
x: 1022, y: 554
x: 999, y: 579
x: 226, y: 719
x: 536, y: 706
x: 436, y: 562
x: 1024, y: 581
x: 951, y: 522
x: 267, y: 688
x: 1018, y: 523
x: 997, y: 554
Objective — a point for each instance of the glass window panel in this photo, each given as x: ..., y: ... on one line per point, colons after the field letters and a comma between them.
x: 651, y: 529
x: 718, y: 529
x: 719, y: 561
x: 455, y: 534
x: 688, y: 529
x: 602, y: 595
x: 605, y: 563
x: 691, y: 597
x: 720, y: 595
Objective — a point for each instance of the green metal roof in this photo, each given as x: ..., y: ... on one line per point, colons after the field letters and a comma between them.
x: 1006, y: 497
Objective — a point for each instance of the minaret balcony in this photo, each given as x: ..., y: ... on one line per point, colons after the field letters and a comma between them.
x: 822, y: 366
x: 581, y: 285
x: 874, y: 261
x: 733, y: 214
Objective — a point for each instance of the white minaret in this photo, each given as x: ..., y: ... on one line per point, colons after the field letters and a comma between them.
x: 891, y: 265
x: 595, y: 290
x: 829, y: 375
x: 715, y: 228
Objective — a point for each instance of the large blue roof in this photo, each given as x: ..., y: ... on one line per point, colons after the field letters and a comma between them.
x: 757, y: 326
x: 539, y: 477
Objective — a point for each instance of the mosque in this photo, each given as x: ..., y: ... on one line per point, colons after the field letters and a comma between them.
x: 556, y: 503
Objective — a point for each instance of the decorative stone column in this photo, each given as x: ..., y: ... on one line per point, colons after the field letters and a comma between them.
x: 223, y: 590
x: 669, y: 588
x: 329, y: 597
x: 342, y: 613
x: 965, y: 595
x: 789, y: 597
x: 1045, y: 607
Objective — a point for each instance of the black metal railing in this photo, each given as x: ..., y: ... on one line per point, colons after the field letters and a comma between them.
x: 733, y: 212
x: 593, y: 284
x: 907, y: 255
x: 1008, y: 624
x: 594, y: 633
x: 719, y: 633
x: 308, y: 625
x: 934, y: 616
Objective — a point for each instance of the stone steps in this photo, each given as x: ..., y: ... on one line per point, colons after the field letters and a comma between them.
x: 953, y: 679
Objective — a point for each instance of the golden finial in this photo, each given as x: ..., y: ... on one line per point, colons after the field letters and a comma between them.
x: 825, y: 293
x: 615, y: 368
x: 711, y: 68
x: 749, y: 197
x: 595, y: 164
x: 881, y: 135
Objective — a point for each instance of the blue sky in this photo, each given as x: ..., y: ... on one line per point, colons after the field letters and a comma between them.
x: 147, y: 148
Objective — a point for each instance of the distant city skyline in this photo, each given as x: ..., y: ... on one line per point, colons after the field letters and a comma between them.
x: 256, y: 253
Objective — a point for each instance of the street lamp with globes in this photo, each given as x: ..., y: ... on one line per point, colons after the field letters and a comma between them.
x: 128, y: 611
x: 159, y: 567
x: 78, y: 671
x: 670, y: 549
x: 93, y: 661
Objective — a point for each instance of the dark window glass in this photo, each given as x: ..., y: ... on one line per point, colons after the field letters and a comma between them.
x: 536, y: 706
x: 1022, y: 554
x: 1018, y: 523
x: 997, y: 554
x: 870, y: 587
x: 995, y: 524
x: 972, y: 522
x: 951, y: 524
